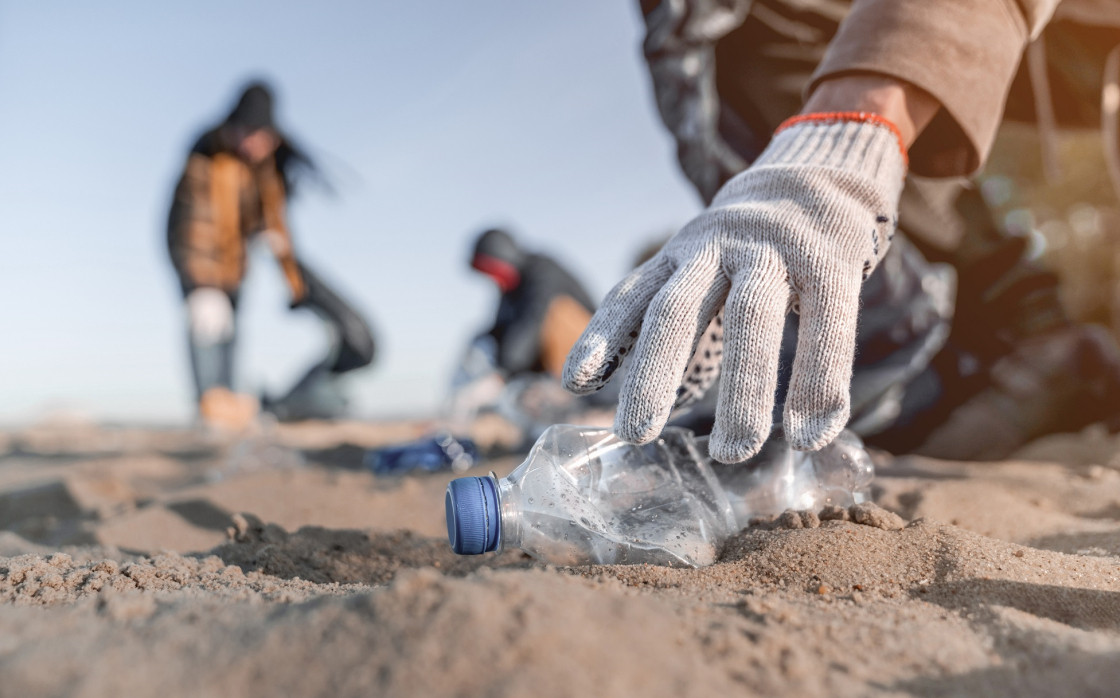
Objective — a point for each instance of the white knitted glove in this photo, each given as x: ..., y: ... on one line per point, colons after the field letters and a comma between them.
x: 803, y: 226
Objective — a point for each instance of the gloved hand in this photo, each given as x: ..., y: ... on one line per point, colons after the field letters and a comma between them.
x: 801, y: 229
x: 210, y: 314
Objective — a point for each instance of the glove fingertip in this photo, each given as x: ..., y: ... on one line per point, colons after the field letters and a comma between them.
x: 580, y: 387
x: 637, y: 430
x: 727, y: 449
x: 587, y: 367
x: 814, y: 432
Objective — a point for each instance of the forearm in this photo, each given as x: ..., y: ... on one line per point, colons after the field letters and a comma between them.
x: 906, y: 106
x: 963, y: 52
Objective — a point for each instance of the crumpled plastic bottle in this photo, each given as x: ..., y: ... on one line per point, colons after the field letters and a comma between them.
x: 584, y: 496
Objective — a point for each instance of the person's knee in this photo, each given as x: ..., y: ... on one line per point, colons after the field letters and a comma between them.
x: 210, y: 316
x: 356, y: 354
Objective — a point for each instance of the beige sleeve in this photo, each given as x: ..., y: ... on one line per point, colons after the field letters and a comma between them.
x: 963, y: 52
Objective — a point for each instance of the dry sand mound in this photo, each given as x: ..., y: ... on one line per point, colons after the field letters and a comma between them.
x: 1020, y: 600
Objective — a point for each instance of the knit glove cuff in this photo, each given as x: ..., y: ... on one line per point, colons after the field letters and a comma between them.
x: 840, y: 139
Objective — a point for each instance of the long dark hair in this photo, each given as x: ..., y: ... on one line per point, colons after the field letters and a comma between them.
x: 297, y: 166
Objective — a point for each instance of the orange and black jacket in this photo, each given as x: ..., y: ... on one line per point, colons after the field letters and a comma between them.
x: 220, y: 203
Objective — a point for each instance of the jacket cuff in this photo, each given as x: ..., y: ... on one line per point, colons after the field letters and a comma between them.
x: 964, y: 53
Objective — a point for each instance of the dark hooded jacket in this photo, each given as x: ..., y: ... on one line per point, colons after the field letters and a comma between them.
x: 540, y: 319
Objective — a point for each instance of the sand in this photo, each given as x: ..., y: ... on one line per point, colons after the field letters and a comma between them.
x: 170, y: 563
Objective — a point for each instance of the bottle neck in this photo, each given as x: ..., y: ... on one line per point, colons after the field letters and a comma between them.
x: 509, y: 507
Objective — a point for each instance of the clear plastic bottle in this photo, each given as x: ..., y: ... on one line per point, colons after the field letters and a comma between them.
x: 780, y: 478
x: 583, y: 496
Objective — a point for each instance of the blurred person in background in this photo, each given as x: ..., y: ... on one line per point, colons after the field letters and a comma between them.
x: 542, y: 308
x: 516, y: 364
x: 797, y: 122
x: 235, y: 188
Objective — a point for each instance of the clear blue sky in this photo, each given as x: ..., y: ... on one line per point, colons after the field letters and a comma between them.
x: 435, y: 120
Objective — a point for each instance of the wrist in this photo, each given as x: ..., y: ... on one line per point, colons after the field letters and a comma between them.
x: 909, y: 108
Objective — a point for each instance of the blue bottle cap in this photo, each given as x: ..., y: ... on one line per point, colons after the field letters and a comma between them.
x: 473, y: 520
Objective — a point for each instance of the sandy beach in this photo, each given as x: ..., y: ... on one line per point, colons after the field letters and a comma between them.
x: 167, y: 562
